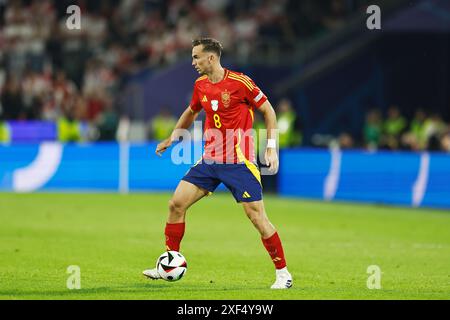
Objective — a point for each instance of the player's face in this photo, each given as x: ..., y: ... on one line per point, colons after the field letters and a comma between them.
x: 201, y: 60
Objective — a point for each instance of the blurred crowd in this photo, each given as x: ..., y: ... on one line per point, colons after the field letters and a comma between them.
x: 394, y: 131
x: 48, y: 72
x: 425, y: 131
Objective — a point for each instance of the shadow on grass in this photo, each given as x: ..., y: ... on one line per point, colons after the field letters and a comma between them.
x: 152, y: 289
x: 162, y: 291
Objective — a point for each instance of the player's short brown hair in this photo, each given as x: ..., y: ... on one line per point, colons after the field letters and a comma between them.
x: 209, y: 45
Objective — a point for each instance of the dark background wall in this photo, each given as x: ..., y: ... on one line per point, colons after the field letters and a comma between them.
x: 408, y: 70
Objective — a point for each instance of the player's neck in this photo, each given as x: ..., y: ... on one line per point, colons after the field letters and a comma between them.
x: 217, y: 74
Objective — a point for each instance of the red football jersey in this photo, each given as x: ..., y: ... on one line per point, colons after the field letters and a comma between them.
x: 229, y: 106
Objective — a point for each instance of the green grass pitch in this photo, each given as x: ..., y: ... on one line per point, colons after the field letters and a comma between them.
x: 113, y: 237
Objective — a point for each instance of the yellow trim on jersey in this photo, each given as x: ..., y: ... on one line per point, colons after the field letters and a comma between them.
x: 249, y: 86
x: 239, y: 77
x: 241, y: 158
x: 201, y: 78
x: 245, y: 79
x: 251, y: 113
x: 242, y: 81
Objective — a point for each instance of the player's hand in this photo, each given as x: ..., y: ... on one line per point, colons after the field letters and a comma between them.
x: 271, y: 158
x: 163, y: 146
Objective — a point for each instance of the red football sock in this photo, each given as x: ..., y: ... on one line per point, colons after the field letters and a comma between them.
x: 275, y: 248
x: 174, y: 233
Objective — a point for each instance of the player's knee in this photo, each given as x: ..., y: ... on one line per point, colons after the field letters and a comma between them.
x: 176, y: 207
x: 252, y: 209
x: 255, y: 216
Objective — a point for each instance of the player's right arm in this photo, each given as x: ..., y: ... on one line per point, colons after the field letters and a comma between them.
x: 186, y: 120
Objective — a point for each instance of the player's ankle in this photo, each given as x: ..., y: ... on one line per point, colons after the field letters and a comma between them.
x: 281, y: 270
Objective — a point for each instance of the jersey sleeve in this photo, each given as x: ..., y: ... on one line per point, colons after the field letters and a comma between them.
x: 195, y: 104
x: 254, y: 94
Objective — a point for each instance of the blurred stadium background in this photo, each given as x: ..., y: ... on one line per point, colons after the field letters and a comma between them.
x: 364, y: 115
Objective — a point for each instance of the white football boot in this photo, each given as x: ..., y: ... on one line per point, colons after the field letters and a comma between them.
x: 152, y: 274
x: 283, y: 279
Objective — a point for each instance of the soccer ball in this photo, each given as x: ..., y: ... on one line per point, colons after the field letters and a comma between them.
x: 171, y: 265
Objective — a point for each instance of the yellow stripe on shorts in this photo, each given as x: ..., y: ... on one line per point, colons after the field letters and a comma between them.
x: 251, y: 166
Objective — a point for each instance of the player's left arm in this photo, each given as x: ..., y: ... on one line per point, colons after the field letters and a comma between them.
x: 270, y: 118
x: 259, y: 101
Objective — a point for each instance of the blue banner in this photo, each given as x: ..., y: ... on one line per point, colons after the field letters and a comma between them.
x: 87, y: 167
x: 401, y: 178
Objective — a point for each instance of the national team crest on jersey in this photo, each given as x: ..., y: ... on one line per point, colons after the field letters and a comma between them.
x: 214, y: 105
x: 226, y: 98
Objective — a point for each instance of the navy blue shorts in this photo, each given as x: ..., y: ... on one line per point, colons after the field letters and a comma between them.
x: 242, y: 179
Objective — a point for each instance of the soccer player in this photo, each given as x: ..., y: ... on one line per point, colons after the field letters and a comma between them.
x: 229, y: 100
